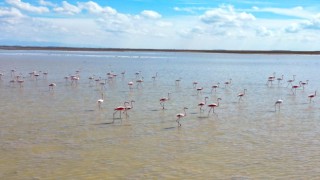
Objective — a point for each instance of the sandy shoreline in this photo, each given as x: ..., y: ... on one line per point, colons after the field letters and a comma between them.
x: 159, y: 50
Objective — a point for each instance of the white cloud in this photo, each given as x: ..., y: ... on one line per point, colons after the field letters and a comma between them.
x: 226, y: 16
x: 150, y: 14
x: 298, y: 11
x: 9, y: 16
x: 27, y: 7
x: 263, y: 31
x: 46, y: 3
x: 9, y: 13
x: 67, y: 9
x: 95, y: 8
x: 310, y: 24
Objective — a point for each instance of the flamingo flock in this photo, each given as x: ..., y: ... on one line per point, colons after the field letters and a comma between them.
x: 74, y: 79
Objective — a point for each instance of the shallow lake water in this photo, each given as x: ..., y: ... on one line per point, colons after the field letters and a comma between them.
x: 63, y: 134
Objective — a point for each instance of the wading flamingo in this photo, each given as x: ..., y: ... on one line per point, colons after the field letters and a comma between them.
x: 51, y: 86
x: 291, y: 80
x: 271, y: 79
x: 227, y: 83
x: 100, y: 101
x: 312, y: 96
x: 240, y: 95
x: 119, y: 109
x: 294, y: 88
x: 139, y: 82
x: 278, y: 102
x: 128, y: 106
x: 20, y: 81
x: 199, y: 90
x: 181, y: 115
x: 213, y: 105
x: 164, y: 99
x: 214, y: 87
x: 304, y: 83
x: 201, y: 104
x: 154, y: 77
x: 280, y: 79
x: 195, y: 84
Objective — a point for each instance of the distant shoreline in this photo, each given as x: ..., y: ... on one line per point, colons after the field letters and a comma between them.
x: 159, y: 50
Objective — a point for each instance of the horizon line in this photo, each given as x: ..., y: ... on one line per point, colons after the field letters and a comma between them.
x: 61, y: 48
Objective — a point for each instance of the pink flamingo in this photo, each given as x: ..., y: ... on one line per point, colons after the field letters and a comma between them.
x: 240, y: 95
x: 51, y: 86
x: 280, y: 79
x: 181, y: 115
x: 291, y: 80
x: 128, y: 106
x: 199, y: 90
x: 271, y: 79
x: 214, y: 87
x: 194, y: 84
x: 213, y: 105
x: 178, y: 81
x: 304, y: 83
x: 119, y: 109
x: 139, y: 82
x: 278, y: 102
x: 100, y: 101
x: 154, y: 77
x: 295, y: 88
x: 130, y: 84
x: 20, y: 81
x: 312, y: 96
x: 227, y: 83
x: 164, y: 99
x: 75, y: 79
x: 201, y: 104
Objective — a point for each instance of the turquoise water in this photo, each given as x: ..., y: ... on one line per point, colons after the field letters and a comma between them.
x: 62, y: 133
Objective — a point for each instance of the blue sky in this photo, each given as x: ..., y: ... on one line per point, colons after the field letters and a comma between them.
x: 162, y: 24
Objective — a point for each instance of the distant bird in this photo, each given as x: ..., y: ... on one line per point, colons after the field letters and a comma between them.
x: 199, y: 90
x: 155, y: 76
x: 280, y: 79
x: 291, y: 80
x: 213, y: 105
x: 119, y: 109
x: 227, y: 83
x: 130, y: 84
x: 164, y: 99
x: 181, y: 115
x: 100, y: 101
x: 139, y: 82
x: 51, y: 86
x: 128, y: 106
x: 312, y: 96
x: 271, y: 79
x: 294, y: 88
x: 304, y: 83
x: 194, y: 84
x: 20, y: 81
x: 178, y: 81
x: 201, y: 104
x: 278, y: 102
x: 214, y: 87
x: 1, y: 74
x: 240, y: 95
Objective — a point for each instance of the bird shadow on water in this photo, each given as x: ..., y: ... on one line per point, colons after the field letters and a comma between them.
x: 168, y: 128
x: 88, y: 110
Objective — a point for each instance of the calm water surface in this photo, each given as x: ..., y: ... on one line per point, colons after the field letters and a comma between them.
x: 63, y: 134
